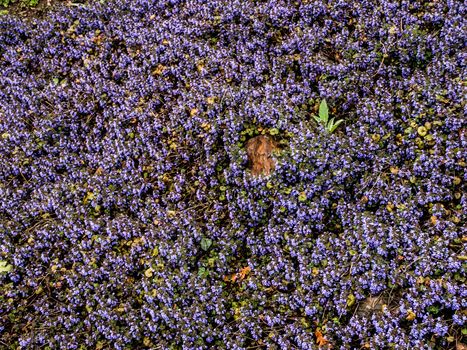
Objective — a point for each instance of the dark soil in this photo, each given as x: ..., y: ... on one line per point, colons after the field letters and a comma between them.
x: 21, y: 9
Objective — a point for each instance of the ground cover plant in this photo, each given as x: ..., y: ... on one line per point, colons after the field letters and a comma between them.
x: 130, y: 213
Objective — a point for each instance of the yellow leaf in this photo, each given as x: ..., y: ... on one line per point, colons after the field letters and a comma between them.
x: 206, y: 126
x: 89, y: 196
x: 121, y: 308
x: 410, y: 315
x: 148, y: 273
x: 155, y: 251
x: 159, y: 70
x: 350, y: 300
x: 394, y: 170
x: 147, y: 341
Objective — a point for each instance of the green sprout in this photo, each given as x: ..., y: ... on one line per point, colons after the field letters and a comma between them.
x: 323, y: 117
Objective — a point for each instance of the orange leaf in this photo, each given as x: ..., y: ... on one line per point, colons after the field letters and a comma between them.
x: 320, y: 340
x: 243, y: 272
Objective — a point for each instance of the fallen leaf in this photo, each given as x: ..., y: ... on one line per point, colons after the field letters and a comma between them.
x: 410, y: 315
x: 159, y: 70
x: 320, y: 339
x: 243, y: 272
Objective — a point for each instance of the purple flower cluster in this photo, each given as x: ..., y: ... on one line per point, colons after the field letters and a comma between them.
x: 129, y: 218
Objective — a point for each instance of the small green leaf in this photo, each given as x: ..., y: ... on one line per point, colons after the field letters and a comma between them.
x: 206, y: 243
x: 202, y: 272
x: 350, y: 300
x: 318, y: 120
x: 273, y: 131
x: 55, y: 80
x: 5, y: 267
x: 464, y: 331
x: 323, y: 111
x: 302, y: 197
x: 155, y: 251
x: 334, y: 126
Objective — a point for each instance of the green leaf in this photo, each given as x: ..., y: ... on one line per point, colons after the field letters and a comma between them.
x: 274, y: 131
x: 206, y: 243
x: 5, y: 267
x: 324, y: 111
x: 202, y: 272
x: 318, y: 120
x: 464, y: 331
x: 350, y: 300
x: 334, y: 126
